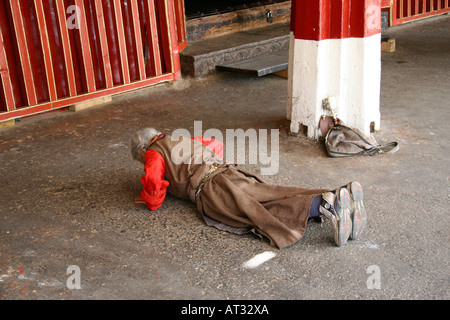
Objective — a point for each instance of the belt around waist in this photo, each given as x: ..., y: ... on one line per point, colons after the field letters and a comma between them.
x: 205, y: 178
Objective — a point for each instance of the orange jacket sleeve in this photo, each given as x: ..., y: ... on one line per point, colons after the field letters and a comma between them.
x: 154, y: 185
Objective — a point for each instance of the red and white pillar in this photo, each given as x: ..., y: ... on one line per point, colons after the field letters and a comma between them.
x: 335, y: 51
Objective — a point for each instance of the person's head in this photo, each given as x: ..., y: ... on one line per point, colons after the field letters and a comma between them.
x: 140, y: 141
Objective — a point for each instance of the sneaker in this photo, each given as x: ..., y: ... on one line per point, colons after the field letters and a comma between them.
x: 335, y: 207
x: 358, y: 214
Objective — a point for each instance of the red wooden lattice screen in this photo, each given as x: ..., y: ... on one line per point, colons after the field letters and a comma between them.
x: 402, y: 11
x: 54, y: 53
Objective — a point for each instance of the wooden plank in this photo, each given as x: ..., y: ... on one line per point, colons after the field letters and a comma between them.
x: 66, y: 47
x: 180, y: 24
x: 104, y: 44
x: 401, y: 9
x: 47, y: 106
x: 46, y: 49
x: 7, y: 123
x: 138, y: 39
x: 388, y: 46
x: 152, y: 31
x: 172, y: 39
x: 86, y: 49
x: 282, y: 73
x: 385, y: 3
x: 6, y: 79
x: 122, y: 44
x: 90, y: 103
x: 24, y: 53
x: 165, y: 45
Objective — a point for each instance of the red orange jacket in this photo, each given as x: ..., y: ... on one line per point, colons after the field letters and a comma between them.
x: 154, y: 184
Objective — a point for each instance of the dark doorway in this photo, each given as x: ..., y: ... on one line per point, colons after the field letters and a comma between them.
x: 199, y: 8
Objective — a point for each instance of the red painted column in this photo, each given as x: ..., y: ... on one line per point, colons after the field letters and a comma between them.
x: 334, y: 52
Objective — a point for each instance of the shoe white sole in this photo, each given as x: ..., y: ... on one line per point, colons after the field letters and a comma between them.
x: 343, y: 226
x: 358, y: 212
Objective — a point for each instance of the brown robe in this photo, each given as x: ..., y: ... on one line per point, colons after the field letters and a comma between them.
x: 232, y: 199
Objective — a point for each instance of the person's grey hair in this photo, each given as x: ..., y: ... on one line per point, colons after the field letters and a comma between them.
x: 141, y: 140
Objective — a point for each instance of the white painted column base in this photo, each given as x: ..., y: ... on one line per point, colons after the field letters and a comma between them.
x: 347, y: 69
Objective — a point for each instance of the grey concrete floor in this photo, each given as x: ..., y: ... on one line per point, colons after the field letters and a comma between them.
x: 68, y: 185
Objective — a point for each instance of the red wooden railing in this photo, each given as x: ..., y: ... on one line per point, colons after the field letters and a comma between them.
x: 55, y: 53
x: 402, y: 11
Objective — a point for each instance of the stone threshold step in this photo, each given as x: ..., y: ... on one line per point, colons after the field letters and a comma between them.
x: 260, y: 65
x: 201, y: 57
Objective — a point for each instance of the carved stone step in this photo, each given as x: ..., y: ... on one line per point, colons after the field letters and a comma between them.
x: 260, y: 65
x: 201, y: 57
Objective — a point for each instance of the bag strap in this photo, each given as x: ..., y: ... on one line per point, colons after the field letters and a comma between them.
x: 390, y: 147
